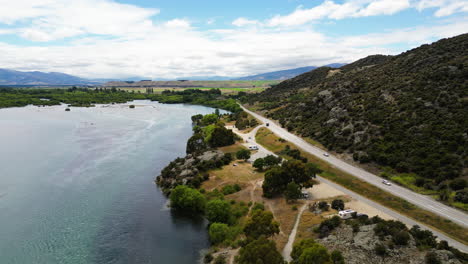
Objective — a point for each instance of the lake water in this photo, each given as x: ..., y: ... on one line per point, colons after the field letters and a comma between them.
x: 77, y: 187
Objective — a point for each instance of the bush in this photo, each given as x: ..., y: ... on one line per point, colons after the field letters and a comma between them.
x: 338, y: 204
x: 218, y: 232
x: 259, y: 164
x: 380, y: 250
x: 208, y: 258
x: 401, y: 238
x: 230, y: 189
x: 292, y: 192
x: 258, y: 206
x: 323, y: 206
x: 220, y: 259
x: 187, y: 199
x: 432, y: 258
x: 243, y: 154
x: 219, y: 211
x: 458, y: 184
x: 423, y: 238
x: 337, y: 257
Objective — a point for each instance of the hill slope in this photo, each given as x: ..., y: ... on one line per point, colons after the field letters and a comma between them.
x: 409, y: 112
x: 285, y: 74
x: 11, y: 77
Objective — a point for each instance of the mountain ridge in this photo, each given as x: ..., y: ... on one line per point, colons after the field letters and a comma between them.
x: 407, y: 111
x: 285, y: 74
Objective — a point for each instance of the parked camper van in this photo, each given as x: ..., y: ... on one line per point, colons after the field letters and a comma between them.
x: 346, y: 214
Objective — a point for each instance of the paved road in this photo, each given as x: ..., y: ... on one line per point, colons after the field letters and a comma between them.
x: 422, y: 201
x: 262, y: 152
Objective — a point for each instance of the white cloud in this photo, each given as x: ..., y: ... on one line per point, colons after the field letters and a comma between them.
x: 444, y: 7
x: 241, y: 22
x: 57, y: 19
x: 332, y: 10
x: 177, y: 23
x: 363, y: 8
x: 384, y: 7
x: 117, y: 40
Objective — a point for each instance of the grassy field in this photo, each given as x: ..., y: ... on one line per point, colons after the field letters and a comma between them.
x: 224, y: 90
x: 225, y: 86
x: 269, y: 140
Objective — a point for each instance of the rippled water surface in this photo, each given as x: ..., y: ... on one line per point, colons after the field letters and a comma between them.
x: 77, y: 187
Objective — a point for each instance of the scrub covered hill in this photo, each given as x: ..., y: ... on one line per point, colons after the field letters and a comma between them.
x: 408, y: 112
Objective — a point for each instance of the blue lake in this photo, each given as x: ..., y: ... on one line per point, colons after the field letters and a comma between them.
x: 77, y: 187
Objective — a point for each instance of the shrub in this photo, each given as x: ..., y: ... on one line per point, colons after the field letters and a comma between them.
x: 218, y: 232
x: 219, y: 211
x: 458, y: 184
x: 323, y: 206
x: 401, y: 238
x: 243, y: 154
x: 187, y: 199
x: 380, y: 249
x: 220, y: 259
x: 432, y: 258
x: 338, y: 204
x: 337, y: 257
x: 208, y: 258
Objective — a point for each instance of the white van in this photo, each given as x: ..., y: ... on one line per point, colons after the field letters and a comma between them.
x: 346, y: 214
x: 253, y: 147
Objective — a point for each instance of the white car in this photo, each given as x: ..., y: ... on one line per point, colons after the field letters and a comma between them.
x: 386, y: 182
x: 253, y: 147
x: 326, y: 154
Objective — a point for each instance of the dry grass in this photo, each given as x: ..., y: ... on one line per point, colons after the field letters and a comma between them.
x: 270, y: 141
x: 241, y: 174
x: 308, y: 221
x: 285, y: 216
x: 232, y: 148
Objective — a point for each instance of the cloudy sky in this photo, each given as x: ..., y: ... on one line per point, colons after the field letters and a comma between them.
x: 176, y: 38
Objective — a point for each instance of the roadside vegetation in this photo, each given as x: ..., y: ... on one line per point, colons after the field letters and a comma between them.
x: 406, y: 112
x: 275, y: 144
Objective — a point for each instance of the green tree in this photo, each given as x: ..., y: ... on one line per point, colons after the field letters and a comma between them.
x: 197, y: 118
x: 221, y: 137
x: 275, y: 182
x: 308, y: 251
x: 292, y: 192
x: 271, y: 160
x: 261, y: 223
x: 261, y: 251
x: 259, y: 164
x: 243, y: 154
x: 187, y: 199
x: 196, y: 144
x: 337, y: 257
x: 219, y: 211
x: 218, y: 232
x: 209, y: 119
x: 458, y: 184
x: 337, y: 204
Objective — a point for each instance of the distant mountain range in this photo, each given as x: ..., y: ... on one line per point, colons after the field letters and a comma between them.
x: 285, y: 74
x: 11, y: 77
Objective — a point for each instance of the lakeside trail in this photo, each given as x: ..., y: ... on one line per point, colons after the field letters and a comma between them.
x: 262, y: 152
x: 292, y: 236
